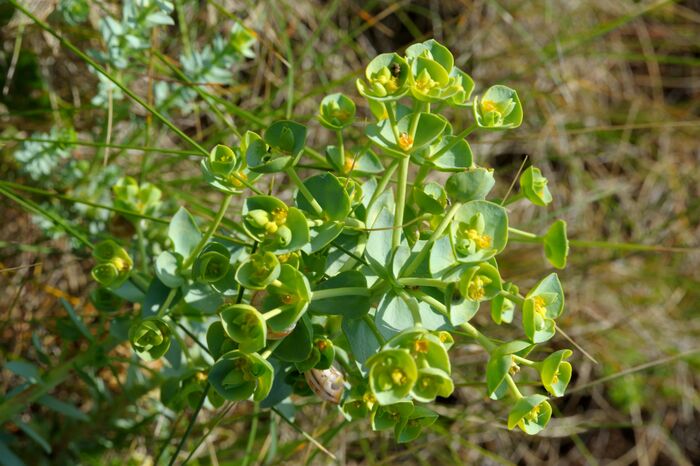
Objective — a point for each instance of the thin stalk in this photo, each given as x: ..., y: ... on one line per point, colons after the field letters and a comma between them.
x: 80, y: 142
x: 400, y: 201
x: 466, y: 132
x: 339, y: 292
x: 252, y: 434
x: 271, y: 348
x: 523, y: 361
x: 413, y: 265
x: 190, y: 425
x: 412, y: 306
x: 207, y: 236
x: 513, y: 388
x: 166, y: 304
x: 432, y: 282
x: 383, y: 182
x: 373, y: 327
x: 304, y: 190
x: 392, y: 121
x: 519, y: 300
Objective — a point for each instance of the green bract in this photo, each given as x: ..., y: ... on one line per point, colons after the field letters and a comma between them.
x: 498, y: 108
x: 556, y: 244
x: 276, y: 226
x: 238, y: 376
x: 387, y: 75
x: 534, y: 186
x: 531, y: 414
x: 479, y: 231
x: 336, y: 111
x: 542, y: 305
x: 212, y: 264
x: 392, y: 374
x: 471, y: 185
x: 244, y: 325
x: 428, y: 128
x: 150, y: 338
x: 555, y: 372
x: 261, y: 269
x: 113, y: 264
x: 142, y: 200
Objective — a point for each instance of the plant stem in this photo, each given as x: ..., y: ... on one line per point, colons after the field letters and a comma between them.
x: 339, y: 292
x: 383, y: 182
x: 210, y: 231
x: 271, y: 348
x: 466, y: 132
x: 513, y: 388
x: 166, y: 304
x: 392, y: 120
x: 523, y: 361
x: 412, y: 306
x: 304, y: 191
x: 190, y: 425
x: 272, y: 313
x: 519, y: 300
x: 252, y: 434
x: 341, y: 146
x: 373, y: 327
x: 400, y: 202
x: 433, y: 282
x: 413, y: 265
x: 524, y: 235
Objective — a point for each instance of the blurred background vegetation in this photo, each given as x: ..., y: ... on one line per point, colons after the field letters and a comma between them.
x: 611, y: 92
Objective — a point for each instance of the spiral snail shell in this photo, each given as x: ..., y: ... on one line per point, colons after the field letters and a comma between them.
x: 328, y: 384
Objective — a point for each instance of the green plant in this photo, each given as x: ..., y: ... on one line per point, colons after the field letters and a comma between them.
x: 354, y: 274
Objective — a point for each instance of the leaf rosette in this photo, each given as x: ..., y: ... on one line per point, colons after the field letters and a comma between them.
x: 113, y: 264
x: 542, y: 305
x: 259, y: 270
x: 336, y: 111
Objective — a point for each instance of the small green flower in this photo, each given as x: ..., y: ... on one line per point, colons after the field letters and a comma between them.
x: 534, y: 186
x: 426, y: 348
x: 212, y: 264
x: 390, y: 416
x: 238, y: 376
x: 150, y: 338
x: 261, y: 269
x: 480, y: 283
x: 336, y: 112
x: 392, y: 374
x: 113, y: 264
x: 431, y: 383
x: 244, y: 325
x: 531, y: 414
x: 498, y: 108
x: 555, y: 372
x: 129, y: 196
x: 543, y: 304
x: 411, y: 426
x: 386, y: 76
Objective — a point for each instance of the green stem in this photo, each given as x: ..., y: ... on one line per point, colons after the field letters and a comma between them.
x: 412, y: 306
x: 166, y: 304
x: 383, y: 182
x: 433, y: 282
x: 400, y: 202
x: 106, y: 74
x: 143, y: 258
x: 513, y: 388
x: 304, y: 191
x: 413, y: 265
x: 466, y: 132
x: 373, y: 327
x: 392, y: 120
x: 190, y: 425
x: 513, y: 199
x: 519, y: 300
x: 524, y: 361
x: 341, y: 146
x: 339, y: 292
x: 271, y: 348
x: 207, y: 236
x: 524, y: 235
x: 251, y: 435
x: 272, y: 313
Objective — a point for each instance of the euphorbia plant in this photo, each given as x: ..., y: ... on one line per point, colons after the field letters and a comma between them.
x: 354, y: 291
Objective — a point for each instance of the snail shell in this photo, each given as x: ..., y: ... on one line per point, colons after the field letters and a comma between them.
x: 328, y: 384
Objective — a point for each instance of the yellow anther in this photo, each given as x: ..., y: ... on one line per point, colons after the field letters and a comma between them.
x: 279, y: 216
x: 405, y: 141
x: 476, y: 289
x: 540, y: 305
x: 271, y: 227
x: 237, y: 178
x: 480, y: 240
x: 420, y: 346
x: 489, y: 106
x: 398, y: 377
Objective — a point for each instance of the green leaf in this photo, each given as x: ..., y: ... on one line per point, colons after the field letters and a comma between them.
x: 473, y: 184
x: 297, y: 346
x: 150, y: 338
x: 8, y: 458
x: 429, y: 127
x: 244, y: 325
x: 24, y: 369
x: 63, y: 408
x: 329, y: 194
x: 556, y: 244
x: 183, y: 232
x: 410, y: 427
x: 77, y: 321
x: 432, y: 50
x: 457, y: 158
x: 167, y: 269
x: 353, y: 304
x: 363, y: 341
x: 392, y: 374
x: 238, y: 376
x: 555, y: 372
x: 287, y: 137
x: 387, y: 76
x: 34, y: 435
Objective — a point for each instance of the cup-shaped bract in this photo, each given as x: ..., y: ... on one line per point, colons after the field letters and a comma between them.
x: 501, y: 364
x: 261, y: 269
x: 555, y: 372
x: 336, y: 111
x: 432, y: 50
x: 480, y: 283
x: 218, y: 342
x: 244, y: 325
x: 427, y: 349
x: 276, y: 226
x: 212, y: 264
x: 498, y: 108
x: 113, y: 264
x: 150, y: 338
x: 534, y: 186
x: 225, y: 168
x: 285, y: 304
x: 392, y: 374
x: 410, y: 427
x: 390, y: 416
x: 531, y: 414
x: 222, y: 160
x: 429, y: 127
x: 129, y: 196
x: 431, y: 383
x: 286, y: 137
x: 464, y: 85
x: 238, y: 376
x: 429, y: 81
x: 386, y: 78
x: 479, y: 231
x: 542, y: 305
x: 556, y: 244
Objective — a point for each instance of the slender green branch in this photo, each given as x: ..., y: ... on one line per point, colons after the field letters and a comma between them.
x: 304, y: 190
x: 210, y: 231
x: 252, y: 434
x: 513, y: 387
x: 339, y: 292
x: 373, y: 327
x: 400, y: 201
x: 190, y: 425
x: 466, y: 132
